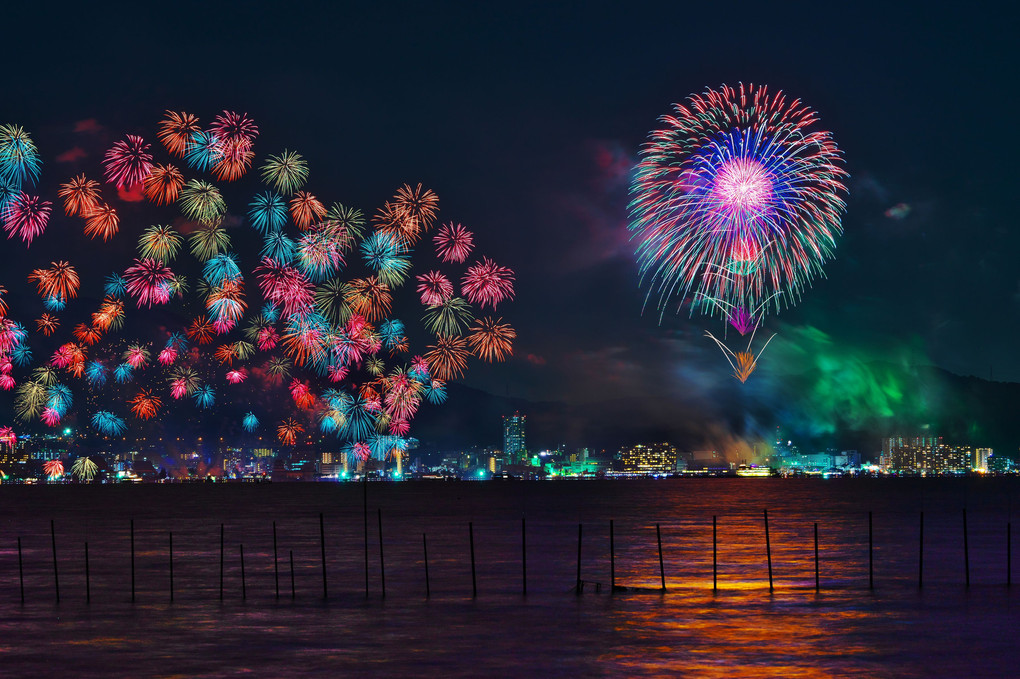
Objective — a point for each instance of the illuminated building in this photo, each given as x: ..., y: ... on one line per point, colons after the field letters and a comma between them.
x: 656, y: 458
x: 925, y: 454
x: 514, y: 446
x: 981, y: 456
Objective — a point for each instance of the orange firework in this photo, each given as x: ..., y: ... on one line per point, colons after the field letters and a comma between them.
x: 305, y: 209
x: 81, y: 196
x: 410, y: 214
x: 110, y: 315
x: 369, y: 298
x: 47, y: 324
x: 163, y: 184
x: 103, y: 221
x: 175, y: 131
x: 492, y: 340
x: 225, y: 353
x: 201, y: 331
x: 59, y: 281
x: 226, y: 301
x: 234, y: 159
x: 86, y: 334
x: 288, y: 431
x: 448, y: 357
x: 144, y: 405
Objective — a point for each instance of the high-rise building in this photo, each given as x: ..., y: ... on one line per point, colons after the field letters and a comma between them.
x: 515, y: 450
x: 655, y: 458
x: 981, y: 456
x: 926, y: 454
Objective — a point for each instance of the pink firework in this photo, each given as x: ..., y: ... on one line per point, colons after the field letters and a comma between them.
x: 361, y: 450
x: 148, y: 281
x: 7, y: 382
x: 486, y: 283
x: 233, y: 126
x: 50, y: 417
x: 136, y: 356
x: 26, y: 217
x: 128, y: 162
x: 167, y: 356
x: 237, y: 376
x: 453, y: 243
x: 178, y: 388
x: 268, y: 338
x: 7, y: 437
x: 284, y: 285
x: 336, y: 373
x: 434, y: 288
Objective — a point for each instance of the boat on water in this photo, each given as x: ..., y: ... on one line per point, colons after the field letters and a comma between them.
x: 753, y: 470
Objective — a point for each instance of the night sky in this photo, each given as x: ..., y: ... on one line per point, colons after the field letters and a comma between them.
x: 526, y: 121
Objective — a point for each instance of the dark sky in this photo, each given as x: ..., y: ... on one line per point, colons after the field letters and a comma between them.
x: 526, y: 120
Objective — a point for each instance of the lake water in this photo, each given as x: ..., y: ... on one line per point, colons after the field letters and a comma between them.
x: 846, y: 628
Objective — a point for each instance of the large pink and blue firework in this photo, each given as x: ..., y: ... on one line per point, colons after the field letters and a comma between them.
x: 736, y: 204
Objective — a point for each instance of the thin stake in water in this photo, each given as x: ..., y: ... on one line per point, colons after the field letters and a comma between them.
x: 56, y: 577
x: 578, y: 585
x: 524, y: 557
x: 171, y: 566
x: 88, y: 579
x: 425, y: 547
x: 244, y: 584
x: 715, y: 555
x: 768, y: 550
x: 662, y: 568
x: 276, y: 563
x: 322, y: 546
x: 292, y: 591
x: 966, y: 550
x: 382, y: 564
x: 132, y: 560
x: 612, y: 559
x: 817, y: 586
x: 920, y: 555
x: 474, y: 581
x: 871, y: 562
x: 21, y: 572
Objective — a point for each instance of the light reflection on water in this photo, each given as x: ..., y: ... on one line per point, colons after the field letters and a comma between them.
x: 742, y: 629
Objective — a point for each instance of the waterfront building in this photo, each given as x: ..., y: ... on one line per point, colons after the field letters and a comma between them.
x: 514, y: 445
x: 925, y: 455
x: 981, y: 456
x: 655, y: 458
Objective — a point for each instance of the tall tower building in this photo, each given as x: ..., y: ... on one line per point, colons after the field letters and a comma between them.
x: 514, y: 449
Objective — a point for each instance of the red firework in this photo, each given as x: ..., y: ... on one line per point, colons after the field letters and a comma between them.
x: 80, y: 194
x: 26, y: 217
x: 453, y: 243
x: 486, y: 283
x: 103, y: 221
x: 175, y: 131
x: 128, y: 162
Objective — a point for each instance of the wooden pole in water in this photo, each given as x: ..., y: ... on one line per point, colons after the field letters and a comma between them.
x: 132, y: 560
x: 364, y: 496
x: 715, y: 556
x: 276, y: 563
x: 21, y: 572
x: 382, y: 563
x: 817, y: 585
x: 966, y: 550
x: 322, y: 549
x: 88, y: 579
x: 471, y: 537
x: 171, y: 566
x: 612, y: 559
x: 56, y: 578
x: 662, y: 567
x: 425, y: 547
x: 920, y: 555
x: 1009, y: 554
x: 221, y: 562
x: 871, y: 555
x: 244, y: 584
x: 768, y: 550
x: 292, y: 593
x: 577, y: 587
x: 524, y: 558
